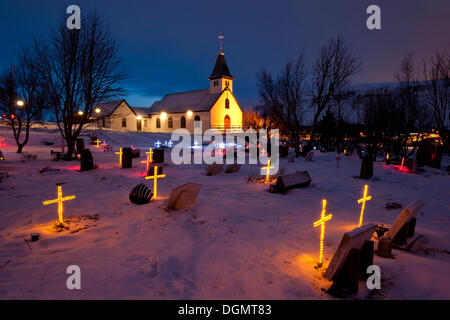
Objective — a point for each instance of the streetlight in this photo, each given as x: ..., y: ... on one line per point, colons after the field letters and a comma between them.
x: 80, y: 113
x: 97, y: 110
x: 20, y: 103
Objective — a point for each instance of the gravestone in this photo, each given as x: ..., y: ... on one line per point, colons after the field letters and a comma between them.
x: 2, y: 157
x: 86, y: 160
x: 140, y: 194
x: 151, y: 169
x: 429, y: 153
x: 214, y: 169
x: 284, y: 150
x: 307, y: 148
x: 309, y: 156
x: 366, y: 167
x: 284, y: 183
x: 291, y: 158
x: 231, y: 168
x: 127, y: 158
x: 80, y: 145
x: 158, y: 155
x: 351, y: 259
x: 183, y: 196
x: 94, y: 141
x: 136, y: 153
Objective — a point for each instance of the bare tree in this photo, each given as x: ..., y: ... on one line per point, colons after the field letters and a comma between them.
x: 80, y: 68
x: 408, y: 93
x: 345, y: 66
x: 22, y: 98
x: 436, y: 76
x: 322, y: 82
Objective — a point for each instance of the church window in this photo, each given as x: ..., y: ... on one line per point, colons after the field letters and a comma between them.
x: 170, y: 122
x: 183, y: 122
x: 197, y: 122
x: 124, y: 122
x: 158, y: 123
x: 227, y: 103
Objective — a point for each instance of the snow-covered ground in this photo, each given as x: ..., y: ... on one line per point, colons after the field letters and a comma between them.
x: 237, y: 242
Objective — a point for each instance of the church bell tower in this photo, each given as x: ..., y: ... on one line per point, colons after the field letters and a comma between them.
x: 221, y: 77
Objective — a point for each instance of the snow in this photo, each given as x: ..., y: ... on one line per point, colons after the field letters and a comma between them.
x: 237, y: 242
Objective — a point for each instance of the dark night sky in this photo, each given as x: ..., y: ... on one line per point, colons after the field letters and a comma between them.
x: 171, y: 45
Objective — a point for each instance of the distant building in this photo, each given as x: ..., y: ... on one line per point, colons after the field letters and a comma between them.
x: 216, y: 107
x: 118, y: 115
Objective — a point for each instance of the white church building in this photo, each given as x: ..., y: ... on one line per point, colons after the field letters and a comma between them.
x: 216, y: 107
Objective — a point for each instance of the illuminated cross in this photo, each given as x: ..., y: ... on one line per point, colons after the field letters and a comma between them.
x: 170, y: 144
x: 1, y: 142
x: 97, y: 142
x: 196, y: 143
x: 401, y: 166
x: 104, y: 144
x: 268, y: 170
x: 155, y: 176
x: 148, y: 161
x: 363, y: 201
x: 120, y: 158
x: 59, y: 201
x: 157, y: 144
x: 321, y: 222
x: 150, y: 153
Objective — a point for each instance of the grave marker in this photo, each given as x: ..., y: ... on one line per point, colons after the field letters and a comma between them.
x: 214, y: 169
x: 183, y: 196
x: 155, y: 177
x: 363, y: 201
x: 59, y: 201
x: 321, y: 222
x: 284, y: 183
x: 127, y: 158
x: 351, y: 259
x: 231, y: 168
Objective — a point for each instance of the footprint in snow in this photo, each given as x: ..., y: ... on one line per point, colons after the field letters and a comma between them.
x: 144, y: 264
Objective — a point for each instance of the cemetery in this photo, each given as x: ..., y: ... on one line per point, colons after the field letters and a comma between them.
x: 140, y: 226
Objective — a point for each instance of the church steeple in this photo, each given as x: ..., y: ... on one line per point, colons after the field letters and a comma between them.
x: 220, y: 77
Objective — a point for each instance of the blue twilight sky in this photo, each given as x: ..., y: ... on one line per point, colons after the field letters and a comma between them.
x: 171, y: 45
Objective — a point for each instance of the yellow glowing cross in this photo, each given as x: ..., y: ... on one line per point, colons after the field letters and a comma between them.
x: 59, y: 201
x: 150, y: 153
x: 148, y: 161
x: 97, y: 142
x: 155, y: 177
x: 363, y: 201
x: 268, y: 169
x: 401, y: 166
x: 120, y: 157
x: 321, y: 222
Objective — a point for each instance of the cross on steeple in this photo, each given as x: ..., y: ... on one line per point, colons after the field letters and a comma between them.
x: 220, y: 37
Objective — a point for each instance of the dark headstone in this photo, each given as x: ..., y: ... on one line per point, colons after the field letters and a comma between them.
x: 80, y: 145
x: 393, y: 205
x: 429, y: 154
x: 158, y: 155
x: 214, y: 169
x: 136, y: 153
x: 86, y: 160
x: 127, y: 158
x: 231, y: 168
x: 284, y: 150
x: 300, y: 179
x: 384, y: 248
x: 307, y: 148
x: 2, y: 157
x: 366, y: 167
x: 140, y: 194
x: 94, y: 140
